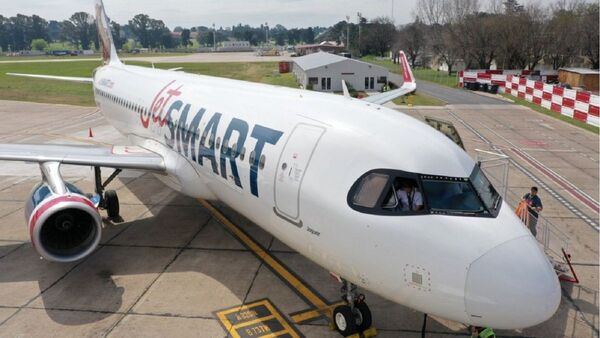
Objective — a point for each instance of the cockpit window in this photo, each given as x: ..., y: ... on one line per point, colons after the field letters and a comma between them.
x: 485, y: 189
x: 395, y: 192
x: 451, y: 195
x: 370, y: 189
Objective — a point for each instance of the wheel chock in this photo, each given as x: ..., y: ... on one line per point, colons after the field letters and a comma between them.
x: 368, y: 333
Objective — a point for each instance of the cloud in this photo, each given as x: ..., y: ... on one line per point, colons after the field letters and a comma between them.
x: 290, y: 13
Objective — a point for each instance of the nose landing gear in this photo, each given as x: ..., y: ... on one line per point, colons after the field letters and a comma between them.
x: 354, y: 317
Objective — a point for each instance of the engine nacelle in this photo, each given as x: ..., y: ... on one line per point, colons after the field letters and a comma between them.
x: 62, y: 227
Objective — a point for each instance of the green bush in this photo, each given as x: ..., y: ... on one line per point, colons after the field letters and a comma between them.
x: 39, y: 44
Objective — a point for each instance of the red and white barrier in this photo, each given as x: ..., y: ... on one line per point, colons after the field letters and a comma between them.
x: 579, y: 105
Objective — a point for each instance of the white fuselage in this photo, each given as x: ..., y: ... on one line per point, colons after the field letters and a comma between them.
x: 286, y: 159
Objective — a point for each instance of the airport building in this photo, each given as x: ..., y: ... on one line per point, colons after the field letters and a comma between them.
x: 235, y: 46
x: 324, y: 72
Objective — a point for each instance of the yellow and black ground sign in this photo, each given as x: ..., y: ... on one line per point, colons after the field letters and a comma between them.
x: 257, y: 319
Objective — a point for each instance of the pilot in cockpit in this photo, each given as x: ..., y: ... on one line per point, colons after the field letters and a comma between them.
x: 409, y: 198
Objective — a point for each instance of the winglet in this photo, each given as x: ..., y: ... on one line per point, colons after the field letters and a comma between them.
x: 406, y: 71
x: 345, y: 89
x: 109, y: 52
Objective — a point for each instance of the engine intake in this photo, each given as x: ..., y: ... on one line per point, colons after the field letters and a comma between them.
x: 62, y: 227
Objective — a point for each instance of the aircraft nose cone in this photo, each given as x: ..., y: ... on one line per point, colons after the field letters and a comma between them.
x: 512, y: 286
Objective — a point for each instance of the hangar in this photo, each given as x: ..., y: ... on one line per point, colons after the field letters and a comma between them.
x: 324, y: 72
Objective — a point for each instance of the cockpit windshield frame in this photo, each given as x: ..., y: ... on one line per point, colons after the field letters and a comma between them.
x: 484, y: 201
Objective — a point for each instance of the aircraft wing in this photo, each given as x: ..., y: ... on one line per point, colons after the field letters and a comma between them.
x: 407, y: 87
x: 384, y: 97
x: 121, y: 157
x: 52, y: 77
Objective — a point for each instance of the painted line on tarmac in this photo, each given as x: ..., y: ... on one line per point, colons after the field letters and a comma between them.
x: 529, y: 174
x: 260, y: 318
x: 296, y: 284
x: 571, y: 188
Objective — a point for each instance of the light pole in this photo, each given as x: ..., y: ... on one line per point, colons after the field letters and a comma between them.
x: 393, y: 11
x: 214, y: 38
x: 267, y: 28
x: 359, y: 29
x: 348, y: 32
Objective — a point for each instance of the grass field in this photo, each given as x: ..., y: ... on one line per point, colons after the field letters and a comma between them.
x: 48, y: 91
x: 419, y: 99
x: 85, y: 57
x: 263, y: 72
x: 426, y: 74
x: 551, y: 113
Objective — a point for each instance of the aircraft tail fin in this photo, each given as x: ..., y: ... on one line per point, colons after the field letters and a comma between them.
x: 109, y: 52
x: 409, y: 85
x: 406, y: 71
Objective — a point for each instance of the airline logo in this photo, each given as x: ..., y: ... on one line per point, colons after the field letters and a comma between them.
x: 185, y: 135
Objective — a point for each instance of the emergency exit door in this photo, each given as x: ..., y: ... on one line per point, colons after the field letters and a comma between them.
x: 292, y: 167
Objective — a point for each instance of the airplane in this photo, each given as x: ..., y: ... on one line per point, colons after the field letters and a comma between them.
x: 380, y: 199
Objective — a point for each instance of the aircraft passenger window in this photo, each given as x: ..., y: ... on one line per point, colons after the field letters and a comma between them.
x: 252, y: 157
x: 451, y: 195
x: 218, y: 145
x: 242, y: 153
x: 261, y: 163
x: 370, y: 189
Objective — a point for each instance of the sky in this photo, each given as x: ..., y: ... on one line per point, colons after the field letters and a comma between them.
x: 290, y: 13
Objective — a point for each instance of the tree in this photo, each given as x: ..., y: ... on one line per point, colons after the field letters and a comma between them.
x: 564, y: 42
x: 4, y: 38
x: 54, y: 30
x: 279, y: 33
x: 67, y: 32
x: 411, y: 39
x: 156, y: 31
x: 589, y: 34
x: 84, y: 29
x: 377, y: 36
x: 140, y: 26
x: 185, y: 37
x: 116, y: 33
x: 39, y: 28
x: 19, y: 31
x: 308, y: 35
x: 39, y: 44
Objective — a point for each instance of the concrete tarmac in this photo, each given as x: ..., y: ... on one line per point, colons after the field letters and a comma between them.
x: 175, y: 265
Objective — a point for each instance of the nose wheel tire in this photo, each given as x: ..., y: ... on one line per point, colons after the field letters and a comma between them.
x: 111, y: 201
x: 344, y: 320
x: 363, y: 317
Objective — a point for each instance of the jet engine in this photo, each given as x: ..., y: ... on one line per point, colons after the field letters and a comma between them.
x: 64, y: 224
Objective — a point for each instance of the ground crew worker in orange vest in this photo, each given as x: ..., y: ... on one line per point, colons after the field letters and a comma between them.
x: 480, y: 332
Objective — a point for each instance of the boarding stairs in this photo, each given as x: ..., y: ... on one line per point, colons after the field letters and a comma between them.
x: 554, y: 242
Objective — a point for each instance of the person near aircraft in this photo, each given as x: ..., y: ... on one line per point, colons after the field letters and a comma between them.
x: 534, y: 205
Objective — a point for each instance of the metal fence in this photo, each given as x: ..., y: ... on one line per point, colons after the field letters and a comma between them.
x: 496, y: 167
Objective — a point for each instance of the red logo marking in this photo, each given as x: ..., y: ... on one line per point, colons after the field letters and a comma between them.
x: 158, y: 105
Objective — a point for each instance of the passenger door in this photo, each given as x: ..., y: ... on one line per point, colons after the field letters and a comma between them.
x: 292, y: 167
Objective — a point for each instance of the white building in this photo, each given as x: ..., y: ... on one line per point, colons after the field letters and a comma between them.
x: 324, y: 72
x: 235, y: 46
